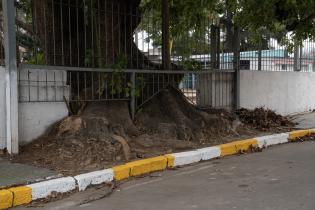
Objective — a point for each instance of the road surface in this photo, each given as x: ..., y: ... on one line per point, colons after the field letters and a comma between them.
x: 282, y: 177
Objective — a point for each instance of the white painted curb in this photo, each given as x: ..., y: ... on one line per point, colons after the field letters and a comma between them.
x: 186, y: 158
x: 209, y: 153
x: 44, y: 189
x: 266, y: 141
x: 94, y: 178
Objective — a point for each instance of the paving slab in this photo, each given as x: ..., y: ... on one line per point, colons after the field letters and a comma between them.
x: 305, y: 121
x: 17, y: 174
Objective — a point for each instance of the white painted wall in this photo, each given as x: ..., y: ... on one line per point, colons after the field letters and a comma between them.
x: 2, y: 109
x: 284, y: 92
x: 37, y: 117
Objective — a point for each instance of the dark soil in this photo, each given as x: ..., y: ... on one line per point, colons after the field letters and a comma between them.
x: 103, y: 135
x: 264, y: 119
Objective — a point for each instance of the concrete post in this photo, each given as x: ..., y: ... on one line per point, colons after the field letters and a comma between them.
x: 11, y: 77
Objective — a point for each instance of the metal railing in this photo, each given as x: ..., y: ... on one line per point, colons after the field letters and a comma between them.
x: 2, y: 56
x: 102, y: 34
x: 206, y: 88
x: 274, y: 56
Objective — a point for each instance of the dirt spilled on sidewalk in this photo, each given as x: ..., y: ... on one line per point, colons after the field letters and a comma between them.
x: 104, y: 135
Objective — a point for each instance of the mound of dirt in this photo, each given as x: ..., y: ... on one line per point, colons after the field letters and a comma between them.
x: 171, y: 116
x: 92, y: 140
x: 263, y: 119
x: 103, y: 134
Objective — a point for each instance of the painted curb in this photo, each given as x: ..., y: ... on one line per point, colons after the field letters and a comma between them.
x: 236, y: 147
x: 186, y: 158
x: 6, y: 199
x: 146, y: 166
x: 26, y: 194
x: 265, y: 141
x: 44, y: 189
x: 21, y: 195
x: 94, y: 178
x: 209, y: 153
x: 121, y: 172
x: 295, y: 135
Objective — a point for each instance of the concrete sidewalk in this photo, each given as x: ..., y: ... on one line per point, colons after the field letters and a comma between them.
x: 305, y: 121
x: 281, y: 177
x: 12, y: 174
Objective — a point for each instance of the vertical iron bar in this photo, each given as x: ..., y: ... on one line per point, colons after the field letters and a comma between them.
x: 236, y: 66
x: 54, y: 34
x: 29, y: 85
x: 70, y: 33
x: 85, y: 96
x: 37, y: 85
x: 78, y: 38
x: 70, y: 82
x: 62, y: 44
x: 92, y: 78
x: 85, y: 38
x: 78, y: 86
x: 46, y: 82
x: 55, y: 85
x: 105, y: 26
x: 133, y: 96
x: 166, y: 57
x: 45, y: 31
x: 92, y: 34
x: 113, y: 34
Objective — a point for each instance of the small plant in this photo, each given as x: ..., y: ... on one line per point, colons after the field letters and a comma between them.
x: 38, y: 59
x: 192, y: 65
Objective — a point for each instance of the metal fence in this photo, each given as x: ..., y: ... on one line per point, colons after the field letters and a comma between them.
x: 2, y: 56
x: 211, y: 89
x: 103, y: 34
x: 92, y: 50
x: 271, y: 55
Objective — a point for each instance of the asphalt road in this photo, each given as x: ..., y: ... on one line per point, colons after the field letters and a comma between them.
x: 282, y: 177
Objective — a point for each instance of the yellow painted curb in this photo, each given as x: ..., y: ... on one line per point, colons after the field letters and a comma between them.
x: 170, y: 161
x: 6, y: 199
x: 237, y: 146
x: 147, y: 165
x: 294, y: 135
x: 21, y: 195
x: 121, y: 172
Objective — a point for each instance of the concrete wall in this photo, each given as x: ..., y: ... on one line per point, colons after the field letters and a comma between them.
x: 36, y: 118
x: 284, y: 92
x: 41, y: 104
x: 37, y: 85
x: 2, y: 109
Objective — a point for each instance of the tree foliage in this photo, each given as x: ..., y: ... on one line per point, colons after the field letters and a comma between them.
x: 259, y: 19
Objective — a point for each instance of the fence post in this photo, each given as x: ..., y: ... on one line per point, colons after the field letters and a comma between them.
x: 11, y: 77
x: 296, y: 57
x: 133, y: 95
x: 166, y: 51
x: 301, y: 57
x: 213, y: 49
x: 259, y: 58
x: 236, y: 66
